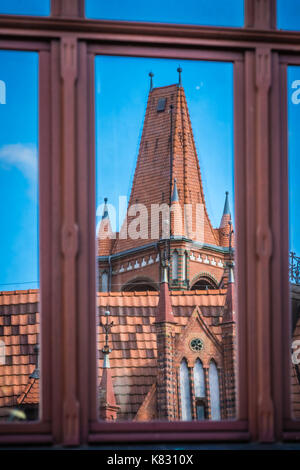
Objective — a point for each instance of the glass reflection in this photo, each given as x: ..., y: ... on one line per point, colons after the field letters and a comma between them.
x: 19, y: 237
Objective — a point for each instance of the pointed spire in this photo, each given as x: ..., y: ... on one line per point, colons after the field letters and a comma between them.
x: 108, y: 404
x: 105, y: 209
x: 226, y: 210
x: 225, y: 229
x: 151, y: 75
x: 179, y: 70
x: 175, y: 197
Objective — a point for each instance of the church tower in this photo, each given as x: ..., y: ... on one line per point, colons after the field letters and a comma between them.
x: 166, y: 210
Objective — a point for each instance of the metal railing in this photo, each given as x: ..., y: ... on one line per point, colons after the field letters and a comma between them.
x: 294, y: 268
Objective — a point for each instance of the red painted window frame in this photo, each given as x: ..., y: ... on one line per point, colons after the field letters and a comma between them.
x: 67, y: 43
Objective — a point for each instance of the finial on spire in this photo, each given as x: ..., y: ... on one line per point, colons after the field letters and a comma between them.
x: 108, y: 405
x: 105, y: 209
x: 226, y: 205
x: 151, y: 75
x: 106, y: 327
x: 179, y: 70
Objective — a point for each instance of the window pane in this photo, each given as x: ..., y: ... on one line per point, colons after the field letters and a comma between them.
x: 288, y: 14
x: 199, y: 380
x: 201, y: 12
x: 214, y: 388
x: 294, y: 226
x: 25, y: 7
x: 165, y: 239
x: 19, y: 236
x: 185, y: 392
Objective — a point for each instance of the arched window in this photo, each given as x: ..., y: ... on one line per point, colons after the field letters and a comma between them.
x: 204, y: 283
x: 175, y: 265
x: 185, y: 392
x: 185, y: 266
x: 199, y: 385
x: 214, y: 392
x: 199, y: 381
x: 104, y: 282
x: 140, y: 285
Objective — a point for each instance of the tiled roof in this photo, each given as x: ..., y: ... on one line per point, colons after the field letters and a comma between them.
x: 133, y: 359
x: 31, y: 394
x: 133, y: 341
x: 19, y: 328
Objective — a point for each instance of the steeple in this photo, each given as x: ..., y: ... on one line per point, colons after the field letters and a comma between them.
x: 108, y: 405
x: 225, y: 229
x: 105, y: 235
x: 167, y: 151
x: 105, y: 209
x: 226, y: 210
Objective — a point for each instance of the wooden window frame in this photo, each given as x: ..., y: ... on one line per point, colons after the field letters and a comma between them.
x: 67, y: 44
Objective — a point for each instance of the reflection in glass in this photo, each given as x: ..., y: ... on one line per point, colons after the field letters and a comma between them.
x: 25, y: 7
x: 288, y: 14
x: 202, y: 12
x: 165, y: 241
x: 19, y: 237
x: 294, y: 229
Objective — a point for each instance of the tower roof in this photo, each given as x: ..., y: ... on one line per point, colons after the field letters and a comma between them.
x: 226, y: 210
x: 105, y: 235
x: 167, y: 152
x: 225, y: 230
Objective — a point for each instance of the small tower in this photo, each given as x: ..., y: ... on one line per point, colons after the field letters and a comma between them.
x: 225, y: 225
x: 166, y: 378
x: 151, y: 75
x: 229, y: 340
x: 105, y: 235
x: 108, y: 404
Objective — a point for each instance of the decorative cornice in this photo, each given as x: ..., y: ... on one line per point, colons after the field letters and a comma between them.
x: 49, y: 27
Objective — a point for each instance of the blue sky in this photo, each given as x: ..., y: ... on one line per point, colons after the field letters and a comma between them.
x: 216, y: 12
x: 288, y: 14
x: 25, y: 7
x: 294, y: 160
x: 18, y: 171
x: 122, y: 86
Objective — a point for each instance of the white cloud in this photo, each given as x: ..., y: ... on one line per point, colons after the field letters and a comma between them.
x: 23, y: 157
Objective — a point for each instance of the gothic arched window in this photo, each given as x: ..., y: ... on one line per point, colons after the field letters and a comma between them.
x: 214, y: 392
x: 185, y: 266
x: 199, y: 386
x: 104, y: 282
x: 185, y: 392
x: 175, y: 265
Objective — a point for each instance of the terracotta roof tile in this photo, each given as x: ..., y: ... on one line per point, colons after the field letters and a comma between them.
x: 133, y: 337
